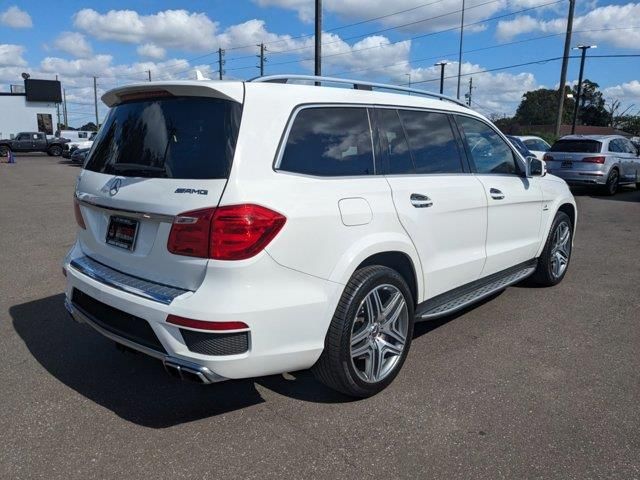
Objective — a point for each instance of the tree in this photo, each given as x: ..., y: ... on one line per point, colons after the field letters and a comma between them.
x: 539, y: 107
x: 90, y: 127
x: 592, y: 109
x: 629, y: 123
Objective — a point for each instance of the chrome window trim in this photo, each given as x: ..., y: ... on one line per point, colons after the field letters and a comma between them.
x: 90, y: 201
x: 153, y: 291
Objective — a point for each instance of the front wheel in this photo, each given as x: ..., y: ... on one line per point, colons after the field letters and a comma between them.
x: 554, y: 261
x: 370, y: 333
x: 55, y: 151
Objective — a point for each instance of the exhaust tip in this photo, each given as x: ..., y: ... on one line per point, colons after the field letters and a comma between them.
x: 172, y: 370
x: 190, y: 372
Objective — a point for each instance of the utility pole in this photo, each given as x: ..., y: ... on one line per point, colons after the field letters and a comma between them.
x: 468, y: 95
x: 262, y: 59
x: 318, y: 39
x: 220, y: 63
x: 441, y: 64
x: 64, y: 107
x: 460, y: 52
x: 565, y: 62
x: 58, y: 112
x: 584, y: 49
x: 95, y: 99
x: 149, y: 72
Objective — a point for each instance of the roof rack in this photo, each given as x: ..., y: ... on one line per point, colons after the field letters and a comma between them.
x: 356, y: 84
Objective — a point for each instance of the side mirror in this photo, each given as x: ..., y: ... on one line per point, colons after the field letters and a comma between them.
x: 536, y: 167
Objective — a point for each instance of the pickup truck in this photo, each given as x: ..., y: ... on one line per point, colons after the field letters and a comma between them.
x: 32, y: 142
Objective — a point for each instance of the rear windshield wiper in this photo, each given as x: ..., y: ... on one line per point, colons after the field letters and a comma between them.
x: 136, y: 167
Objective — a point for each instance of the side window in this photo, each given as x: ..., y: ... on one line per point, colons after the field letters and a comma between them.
x: 329, y: 142
x: 628, y: 146
x: 24, y: 136
x: 82, y: 134
x: 489, y: 151
x: 395, y: 148
x: 614, y: 146
x: 433, y: 146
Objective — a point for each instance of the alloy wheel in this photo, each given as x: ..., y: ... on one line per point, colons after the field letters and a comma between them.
x: 561, y: 250
x: 379, y: 333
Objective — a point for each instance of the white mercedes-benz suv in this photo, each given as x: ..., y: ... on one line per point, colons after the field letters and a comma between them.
x: 237, y: 229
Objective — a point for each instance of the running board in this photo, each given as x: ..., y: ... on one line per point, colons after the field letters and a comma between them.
x: 461, y: 297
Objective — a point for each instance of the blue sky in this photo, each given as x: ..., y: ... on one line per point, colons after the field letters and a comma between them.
x: 394, y: 42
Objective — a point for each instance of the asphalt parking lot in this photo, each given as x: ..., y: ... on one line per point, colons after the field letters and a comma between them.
x: 535, y: 383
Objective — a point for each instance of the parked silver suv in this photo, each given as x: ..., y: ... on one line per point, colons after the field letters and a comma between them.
x: 607, y: 161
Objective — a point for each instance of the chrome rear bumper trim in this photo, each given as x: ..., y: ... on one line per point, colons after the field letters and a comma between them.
x: 91, y: 202
x: 127, y: 283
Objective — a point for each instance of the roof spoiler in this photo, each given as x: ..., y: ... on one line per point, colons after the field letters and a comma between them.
x: 233, y: 91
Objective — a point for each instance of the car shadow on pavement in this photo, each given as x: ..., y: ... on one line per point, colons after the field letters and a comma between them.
x: 625, y: 194
x: 135, y: 386
x: 69, y: 163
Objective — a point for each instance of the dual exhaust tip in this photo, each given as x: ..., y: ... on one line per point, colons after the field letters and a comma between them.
x: 196, y: 374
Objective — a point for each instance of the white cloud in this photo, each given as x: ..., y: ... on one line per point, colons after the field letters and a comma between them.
x: 606, y: 24
x: 251, y: 33
x: 73, y: 43
x: 169, y: 28
x: 11, y: 55
x: 15, y: 18
x: 81, y: 67
x: 627, y: 93
x: 149, y: 50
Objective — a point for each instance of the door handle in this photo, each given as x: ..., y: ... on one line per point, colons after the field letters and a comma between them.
x: 420, y: 201
x: 496, y: 194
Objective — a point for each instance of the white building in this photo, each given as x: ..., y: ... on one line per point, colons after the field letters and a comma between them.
x: 30, y: 109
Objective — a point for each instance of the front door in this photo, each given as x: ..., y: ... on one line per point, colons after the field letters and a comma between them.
x: 439, y: 202
x: 514, y: 201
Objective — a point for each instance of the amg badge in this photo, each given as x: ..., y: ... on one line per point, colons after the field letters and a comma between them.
x: 192, y: 190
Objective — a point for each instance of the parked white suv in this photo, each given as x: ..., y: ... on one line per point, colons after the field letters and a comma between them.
x: 238, y: 229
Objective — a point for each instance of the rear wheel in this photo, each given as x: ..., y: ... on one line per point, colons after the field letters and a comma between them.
x: 55, y: 150
x: 4, y: 151
x: 370, y: 333
x: 554, y: 261
x: 613, y: 181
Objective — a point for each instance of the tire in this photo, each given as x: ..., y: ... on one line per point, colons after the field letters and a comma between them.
x: 613, y: 182
x: 4, y: 151
x: 364, y: 350
x: 548, y: 273
x: 55, y: 151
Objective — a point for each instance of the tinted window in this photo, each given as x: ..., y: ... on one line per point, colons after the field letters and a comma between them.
x: 537, y: 145
x: 489, y: 151
x: 330, y: 142
x: 520, y: 146
x: 614, y: 146
x: 179, y: 137
x: 395, y: 148
x: 434, y: 148
x: 627, y: 146
x: 576, y: 146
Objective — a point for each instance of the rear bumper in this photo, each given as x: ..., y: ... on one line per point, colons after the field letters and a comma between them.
x: 288, y: 314
x: 581, y: 177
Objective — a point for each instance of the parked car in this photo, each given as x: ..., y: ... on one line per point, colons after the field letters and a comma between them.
x: 76, y: 135
x: 606, y: 161
x: 522, y: 149
x: 536, y: 145
x: 79, y: 155
x: 70, y: 147
x: 32, y: 142
x: 311, y: 234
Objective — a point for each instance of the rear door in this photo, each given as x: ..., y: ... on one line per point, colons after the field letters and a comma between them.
x: 155, y: 157
x: 514, y: 201
x: 439, y: 202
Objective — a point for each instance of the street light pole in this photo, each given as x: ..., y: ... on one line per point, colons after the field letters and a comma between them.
x: 441, y: 64
x: 318, y: 39
x: 584, y: 49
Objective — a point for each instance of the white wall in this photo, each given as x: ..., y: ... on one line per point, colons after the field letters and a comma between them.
x: 18, y: 115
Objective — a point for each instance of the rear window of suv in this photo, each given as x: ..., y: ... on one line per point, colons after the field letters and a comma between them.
x: 169, y: 137
x: 576, y: 146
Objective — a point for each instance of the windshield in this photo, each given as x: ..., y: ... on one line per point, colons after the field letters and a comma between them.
x: 168, y: 137
x: 577, y: 146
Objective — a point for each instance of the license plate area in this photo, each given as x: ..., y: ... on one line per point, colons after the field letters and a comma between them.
x: 122, y: 232
x: 566, y: 164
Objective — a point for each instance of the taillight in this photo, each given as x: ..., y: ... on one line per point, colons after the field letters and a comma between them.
x: 78, y: 214
x: 233, y: 232
x: 547, y: 157
x: 594, y: 159
x: 190, y: 233
x: 202, y: 325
